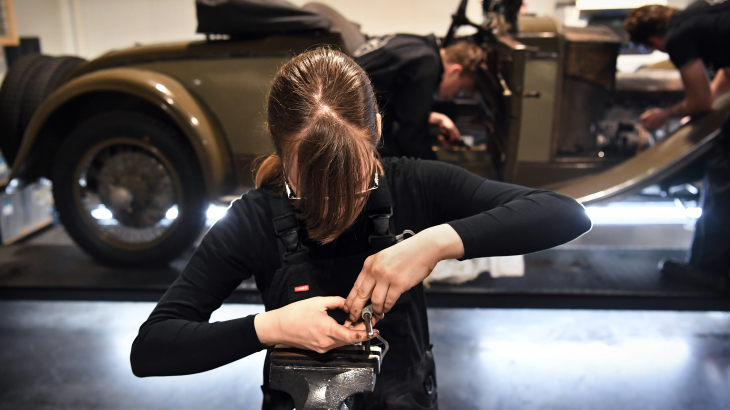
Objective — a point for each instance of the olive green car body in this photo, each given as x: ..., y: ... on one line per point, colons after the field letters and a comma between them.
x: 212, y: 92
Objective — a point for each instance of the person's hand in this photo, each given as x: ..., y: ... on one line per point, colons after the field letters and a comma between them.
x: 447, y: 127
x: 449, y: 133
x: 449, y: 130
x: 306, y: 325
x: 654, y: 118
x: 393, y: 271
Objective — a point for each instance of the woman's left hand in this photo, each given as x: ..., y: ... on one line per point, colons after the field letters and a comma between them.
x: 393, y: 271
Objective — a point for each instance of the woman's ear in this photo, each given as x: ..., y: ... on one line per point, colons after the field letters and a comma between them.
x: 379, y: 120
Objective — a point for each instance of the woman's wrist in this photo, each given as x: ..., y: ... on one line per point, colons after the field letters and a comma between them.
x: 267, y: 328
x: 443, y: 242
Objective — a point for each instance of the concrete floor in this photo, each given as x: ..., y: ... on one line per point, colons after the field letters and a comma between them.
x: 74, y: 355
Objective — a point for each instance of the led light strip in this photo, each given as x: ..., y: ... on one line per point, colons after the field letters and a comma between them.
x: 647, y: 213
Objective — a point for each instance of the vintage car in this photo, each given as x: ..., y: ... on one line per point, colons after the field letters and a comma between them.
x: 139, y: 141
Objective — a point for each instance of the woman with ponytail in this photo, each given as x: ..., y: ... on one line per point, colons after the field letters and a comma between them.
x: 324, y: 232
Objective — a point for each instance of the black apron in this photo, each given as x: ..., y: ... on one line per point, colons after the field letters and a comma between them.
x: 407, y: 377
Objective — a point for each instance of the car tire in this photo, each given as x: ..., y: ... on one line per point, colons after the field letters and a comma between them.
x: 12, y: 93
x: 47, y: 77
x: 126, y: 143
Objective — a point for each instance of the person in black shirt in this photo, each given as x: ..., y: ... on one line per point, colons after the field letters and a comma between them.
x: 325, y: 222
x: 696, y: 38
x: 406, y: 72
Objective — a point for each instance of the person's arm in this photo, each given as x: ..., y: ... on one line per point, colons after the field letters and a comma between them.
x: 697, y: 92
x: 178, y: 339
x: 698, y: 97
x: 721, y: 82
x: 389, y: 273
x: 471, y: 217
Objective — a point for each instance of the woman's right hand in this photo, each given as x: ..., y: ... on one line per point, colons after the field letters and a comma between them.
x: 306, y: 325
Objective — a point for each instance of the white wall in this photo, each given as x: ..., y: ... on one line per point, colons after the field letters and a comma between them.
x: 91, y: 27
x: 404, y: 16
x: 115, y: 24
x: 416, y: 16
x: 41, y: 18
x: 680, y: 4
x: 540, y: 7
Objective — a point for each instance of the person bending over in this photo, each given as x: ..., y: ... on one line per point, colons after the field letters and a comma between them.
x: 325, y: 223
x: 406, y: 72
x: 696, y: 38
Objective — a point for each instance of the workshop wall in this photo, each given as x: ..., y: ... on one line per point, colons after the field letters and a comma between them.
x: 92, y: 27
x: 89, y: 28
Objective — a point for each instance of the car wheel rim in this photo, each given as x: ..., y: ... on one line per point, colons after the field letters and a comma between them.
x: 128, y: 193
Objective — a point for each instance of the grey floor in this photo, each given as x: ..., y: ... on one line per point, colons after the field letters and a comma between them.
x: 74, y: 355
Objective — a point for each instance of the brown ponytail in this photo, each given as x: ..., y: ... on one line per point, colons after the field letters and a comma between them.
x: 322, y: 118
x: 269, y: 172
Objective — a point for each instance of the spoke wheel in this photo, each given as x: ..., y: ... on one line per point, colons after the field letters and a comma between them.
x: 128, y: 189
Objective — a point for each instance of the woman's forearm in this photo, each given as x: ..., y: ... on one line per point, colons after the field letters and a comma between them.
x: 178, y: 339
x: 536, y: 222
x: 176, y: 346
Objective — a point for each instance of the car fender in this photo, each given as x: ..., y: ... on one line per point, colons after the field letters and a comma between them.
x: 199, y: 127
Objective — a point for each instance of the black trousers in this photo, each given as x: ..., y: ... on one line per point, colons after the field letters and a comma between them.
x: 711, y: 244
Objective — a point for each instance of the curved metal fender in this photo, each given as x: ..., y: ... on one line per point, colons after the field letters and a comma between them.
x: 203, y: 133
x: 653, y: 165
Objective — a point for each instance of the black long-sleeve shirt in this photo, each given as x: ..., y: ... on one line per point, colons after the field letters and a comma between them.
x: 492, y: 219
x: 405, y: 71
x: 701, y: 31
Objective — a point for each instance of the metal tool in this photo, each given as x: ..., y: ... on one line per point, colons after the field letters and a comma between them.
x: 367, y: 316
x: 324, y: 381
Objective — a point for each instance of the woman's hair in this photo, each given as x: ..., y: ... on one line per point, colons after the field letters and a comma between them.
x: 648, y: 21
x: 322, y: 118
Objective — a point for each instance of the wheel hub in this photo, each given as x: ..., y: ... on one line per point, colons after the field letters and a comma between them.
x: 136, y: 188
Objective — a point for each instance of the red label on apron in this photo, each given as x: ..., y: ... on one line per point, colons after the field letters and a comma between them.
x: 304, y: 288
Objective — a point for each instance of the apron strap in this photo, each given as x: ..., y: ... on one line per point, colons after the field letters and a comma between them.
x: 286, y: 226
x: 380, y: 211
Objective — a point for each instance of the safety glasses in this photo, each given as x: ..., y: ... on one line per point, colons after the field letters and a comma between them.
x: 290, y: 194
